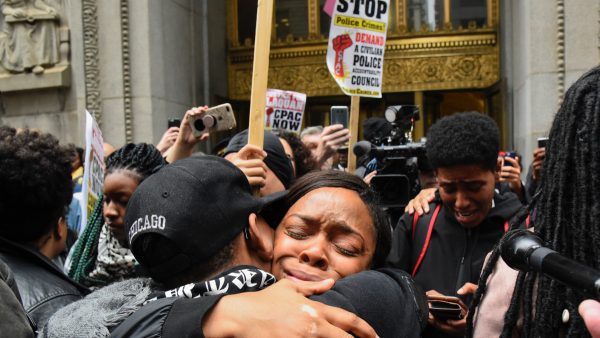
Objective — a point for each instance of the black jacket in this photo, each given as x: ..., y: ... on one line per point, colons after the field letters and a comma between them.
x: 387, y: 299
x: 455, y: 254
x: 13, y: 320
x: 43, y: 287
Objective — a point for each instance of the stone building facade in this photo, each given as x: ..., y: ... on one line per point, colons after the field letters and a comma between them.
x: 136, y: 63
x: 133, y: 64
x: 546, y: 46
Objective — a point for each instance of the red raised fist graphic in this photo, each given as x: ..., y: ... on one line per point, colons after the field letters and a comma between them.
x: 269, y: 112
x: 340, y: 43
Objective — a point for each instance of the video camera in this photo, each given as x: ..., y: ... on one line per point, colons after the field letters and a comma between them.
x: 395, y: 157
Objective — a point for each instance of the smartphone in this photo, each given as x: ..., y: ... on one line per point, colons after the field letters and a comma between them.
x: 542, y: 141
x: 339, y: 115
x: 511, y: 154
x: 216, y: 118
x: 173, y: 123
x: 445, y: 310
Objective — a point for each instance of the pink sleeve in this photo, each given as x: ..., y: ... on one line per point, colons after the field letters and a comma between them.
x: 489, y: 316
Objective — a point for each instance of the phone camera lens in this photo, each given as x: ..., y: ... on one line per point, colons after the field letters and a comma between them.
x: 199, y: 125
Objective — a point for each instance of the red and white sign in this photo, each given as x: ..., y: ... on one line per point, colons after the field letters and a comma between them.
x: 356, y: 46
x: 284, y: 110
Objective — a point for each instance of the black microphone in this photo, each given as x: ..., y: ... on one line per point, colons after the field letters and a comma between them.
x: 523, y: 250
x: 362, y: 148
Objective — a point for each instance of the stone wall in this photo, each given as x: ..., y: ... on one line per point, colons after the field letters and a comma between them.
x: 134, y: 64
x: 44, y: 99
x: 546, y: 46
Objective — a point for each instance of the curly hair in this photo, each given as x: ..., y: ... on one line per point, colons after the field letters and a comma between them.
x: 303, y: 158
x: 35, y: 183
x: 339, y: 179
x: 567, y: 209
x: 463, y: 139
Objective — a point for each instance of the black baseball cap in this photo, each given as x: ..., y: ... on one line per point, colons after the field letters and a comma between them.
x: 200, y: 204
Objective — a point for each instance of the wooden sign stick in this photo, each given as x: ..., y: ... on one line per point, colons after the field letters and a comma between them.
x: 354, y: 115
x: 260, y: 72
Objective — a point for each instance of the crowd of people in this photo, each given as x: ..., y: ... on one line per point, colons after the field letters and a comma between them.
x: 280, y: 241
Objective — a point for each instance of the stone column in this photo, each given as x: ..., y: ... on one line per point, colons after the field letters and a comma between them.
x: 546, y: 46
x: 168, y: 51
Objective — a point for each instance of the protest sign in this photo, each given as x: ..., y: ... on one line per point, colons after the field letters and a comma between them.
x: 93, y: 168
x: 328, y: 7
x: 356, y: 45
x: 284, y: 110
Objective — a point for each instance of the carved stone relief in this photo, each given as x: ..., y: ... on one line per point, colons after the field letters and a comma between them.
x: 29, y: 41
x: 438, y: 72
x: 90, y: 57
x: 310, y: 77
x: 33, y: 43
x: 470, y: 64
x: 127, y: 101
x: 560, y: 50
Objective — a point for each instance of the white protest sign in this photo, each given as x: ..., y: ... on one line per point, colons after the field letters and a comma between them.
x: 284, y: 110
x: 93, y: 168
x: 356, y: 45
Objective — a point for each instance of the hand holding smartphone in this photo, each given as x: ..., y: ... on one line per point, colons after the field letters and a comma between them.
x: 216, y: 118
x: 173, y: 123
x: 446, y: 307
x: 511, y: 154
x: 339, y: 115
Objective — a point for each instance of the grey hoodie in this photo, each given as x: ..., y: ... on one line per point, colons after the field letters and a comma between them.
x: 99, y: 311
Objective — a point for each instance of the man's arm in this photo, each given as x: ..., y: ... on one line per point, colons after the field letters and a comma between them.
x: 281, y: 310
x: 185, y: 142
x: 167, y: 317
x: 332, y: 138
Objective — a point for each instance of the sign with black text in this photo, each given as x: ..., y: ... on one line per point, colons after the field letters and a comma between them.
x: 356, y: 45
x: 93, y: 168
x: 284, y: 110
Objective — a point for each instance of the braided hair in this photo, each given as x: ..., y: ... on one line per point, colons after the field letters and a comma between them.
x: 140, y: 160
x: 135, y: 160
x: 567, y: 210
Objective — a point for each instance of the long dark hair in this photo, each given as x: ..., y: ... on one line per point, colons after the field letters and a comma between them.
x: 567, y: 214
